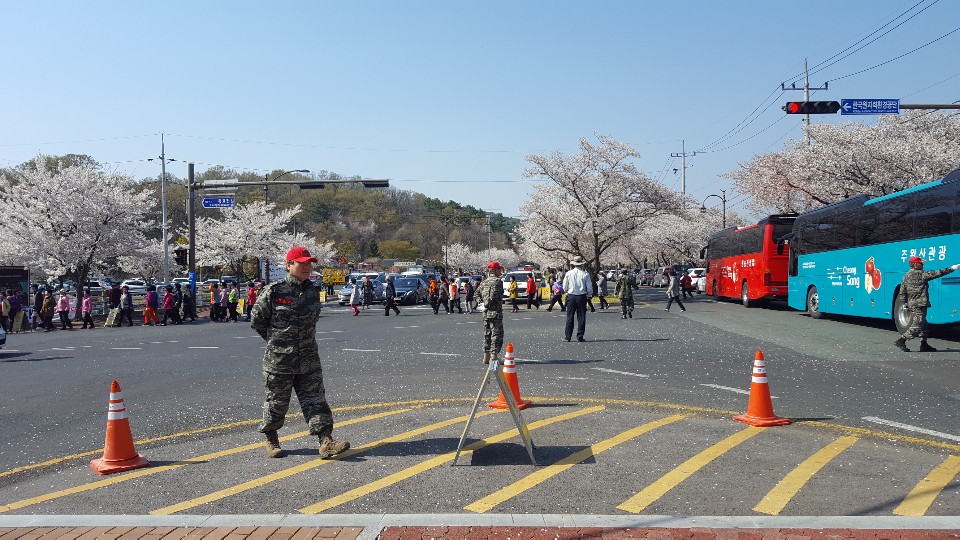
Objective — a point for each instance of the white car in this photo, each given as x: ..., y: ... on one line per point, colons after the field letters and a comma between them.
x: 134, y: 285
x: 698, y: 276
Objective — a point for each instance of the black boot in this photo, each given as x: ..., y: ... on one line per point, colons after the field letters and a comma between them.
x: 925, y: 347
x: 902, y: 345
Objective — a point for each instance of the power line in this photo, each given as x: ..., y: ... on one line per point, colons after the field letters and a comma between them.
x: 820, y: 67
x: 896, y: 58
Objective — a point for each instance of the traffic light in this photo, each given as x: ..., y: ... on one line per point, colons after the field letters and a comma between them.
x: 180, y: 256
x: 812, y: 107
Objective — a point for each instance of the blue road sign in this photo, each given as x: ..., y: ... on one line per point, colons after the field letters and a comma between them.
x: 869, y: 106
x: 218, y: 202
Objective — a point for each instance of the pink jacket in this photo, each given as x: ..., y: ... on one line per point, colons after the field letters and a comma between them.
x: 87, y: 306
x: 63, y: 303
x: 168, y: 301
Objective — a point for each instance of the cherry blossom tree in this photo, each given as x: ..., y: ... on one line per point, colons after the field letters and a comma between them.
x: 70, y: 219
x: 251, y: 231
x: 458, y: 255
x: 851, y: 158
x: 590, y: 201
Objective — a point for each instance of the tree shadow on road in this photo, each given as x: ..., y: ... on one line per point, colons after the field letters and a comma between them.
x: 15, y: 357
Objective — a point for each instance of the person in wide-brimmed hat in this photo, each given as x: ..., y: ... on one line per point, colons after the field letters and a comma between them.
x: 579, y: 288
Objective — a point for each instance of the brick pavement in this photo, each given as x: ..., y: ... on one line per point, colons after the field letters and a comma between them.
x: 466, y: 533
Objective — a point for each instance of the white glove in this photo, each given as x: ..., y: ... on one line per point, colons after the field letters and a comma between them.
x: 955, y: 267
x: 481, y: 308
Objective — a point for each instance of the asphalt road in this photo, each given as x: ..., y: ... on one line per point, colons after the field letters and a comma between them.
x: 635, y: 420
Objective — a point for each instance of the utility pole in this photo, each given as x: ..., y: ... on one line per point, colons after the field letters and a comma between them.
x: 806, y: 94
x: 191, y: 231
x: 683, y: 165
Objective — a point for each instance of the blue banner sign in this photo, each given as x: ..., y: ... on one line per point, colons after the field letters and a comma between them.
x: 870, y: 106
x: 218, y: 202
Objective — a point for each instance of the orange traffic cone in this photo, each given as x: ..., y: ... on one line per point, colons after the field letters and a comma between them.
x: 510, y: 374
x: 118, y: 451
x: 760, y: 408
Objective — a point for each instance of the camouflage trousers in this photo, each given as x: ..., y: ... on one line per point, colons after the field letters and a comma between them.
x: 493, y: 335
x: 626, y: 305
x: 918, y: 324
x: 310, y: 394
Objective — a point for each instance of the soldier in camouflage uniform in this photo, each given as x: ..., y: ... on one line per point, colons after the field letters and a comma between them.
x: 624, y: 290
x: 490, y: 294
x: 915, y: 297
x: 286, y: 316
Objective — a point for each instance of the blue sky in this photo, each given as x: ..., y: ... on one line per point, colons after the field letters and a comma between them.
x: 446, y: 98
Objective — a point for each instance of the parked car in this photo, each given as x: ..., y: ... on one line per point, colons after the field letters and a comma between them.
x: 473, y: 279
x: 698, y: 276
x: 660, y: 277
x: 3, y: 337
x: 135, y: 284
x: 521, y: 277
x: 343, y: 296
x: 410, y: 290
x: 229, y: 279
x: 644, y: 276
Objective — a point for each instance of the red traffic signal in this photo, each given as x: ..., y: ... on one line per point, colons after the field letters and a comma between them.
x: 812, y: 107
x: 180, y: 256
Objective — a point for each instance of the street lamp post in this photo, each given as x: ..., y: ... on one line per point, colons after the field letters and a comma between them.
x: 723, y: 200
x: 163, y: 208
x: 266, y: 178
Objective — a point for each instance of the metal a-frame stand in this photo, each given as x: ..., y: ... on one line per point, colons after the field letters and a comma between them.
x: 496, y: 368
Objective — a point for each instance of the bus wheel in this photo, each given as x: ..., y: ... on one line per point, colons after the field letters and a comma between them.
x: 813, y: 303
x: 716, y: 293
x: 901, y: 317
x: 744, y: 295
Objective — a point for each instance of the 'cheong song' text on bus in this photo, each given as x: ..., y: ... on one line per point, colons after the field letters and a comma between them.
x: 849, y: 258
x: 742, y: 262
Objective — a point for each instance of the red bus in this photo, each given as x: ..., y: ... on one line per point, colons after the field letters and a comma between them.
x: 742, y: 262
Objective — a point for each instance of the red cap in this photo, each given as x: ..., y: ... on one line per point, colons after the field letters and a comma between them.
x: 916, y: 259
x: 300, y: 254
x: 494, y: 265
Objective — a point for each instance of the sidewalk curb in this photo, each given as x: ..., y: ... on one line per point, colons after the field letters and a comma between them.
x: 373, y: 524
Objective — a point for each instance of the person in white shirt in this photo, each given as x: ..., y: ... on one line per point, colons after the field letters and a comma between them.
x: 579, y: 288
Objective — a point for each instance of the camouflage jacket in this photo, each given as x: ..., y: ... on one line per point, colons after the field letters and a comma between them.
x: 490, y: 292
x: 286, y: 315
x: 915, y: 286
x: 624, y: 288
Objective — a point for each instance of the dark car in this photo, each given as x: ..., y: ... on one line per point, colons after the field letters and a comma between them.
x: 410, y: 290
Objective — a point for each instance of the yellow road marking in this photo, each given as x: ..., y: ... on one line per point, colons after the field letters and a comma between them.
x: 219, y: 427
x: 312, y: 464
x: 777, y: 498
x: 432, y: 463
x: 920, y: 498
x: 162, y: 468
x: 542, y: 475
x: 672, y: 479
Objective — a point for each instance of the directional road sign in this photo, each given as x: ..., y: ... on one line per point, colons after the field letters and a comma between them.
x: 218, y: 202
x: 870, y: 106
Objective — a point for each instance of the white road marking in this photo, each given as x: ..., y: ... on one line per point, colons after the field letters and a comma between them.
x: 322, y: 332
x: 324, y: 338
x: 203, y: 347
x: 737, y: 390
x: 621, y: 372
x: 440, y: 354
x: 62, y: 348
x: 574, y: 378
x: 527, y: 360
x: 908, y: 427
x: 362, y: 350
x: 126, y: 348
